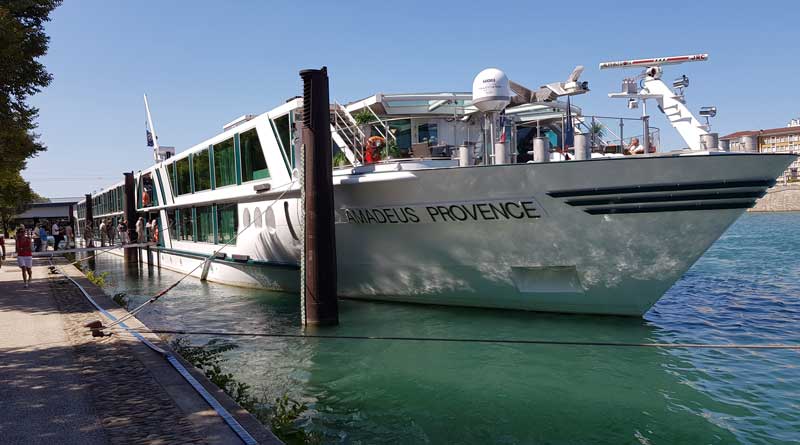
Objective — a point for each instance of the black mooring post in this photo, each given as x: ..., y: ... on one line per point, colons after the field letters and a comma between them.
x: 319, y: 259
x: 129, y: 207
x: 88, y: 222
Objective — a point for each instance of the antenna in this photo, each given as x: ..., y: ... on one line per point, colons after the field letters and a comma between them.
x: 152, y: 129
x: 655, y: 61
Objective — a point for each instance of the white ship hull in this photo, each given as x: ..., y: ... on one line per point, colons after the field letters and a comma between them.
x: 605, y: 236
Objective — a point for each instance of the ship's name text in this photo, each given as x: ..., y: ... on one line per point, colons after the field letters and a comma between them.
x: 475, y: 211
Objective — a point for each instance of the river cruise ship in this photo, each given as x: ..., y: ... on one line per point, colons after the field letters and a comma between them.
x: 491, y: 198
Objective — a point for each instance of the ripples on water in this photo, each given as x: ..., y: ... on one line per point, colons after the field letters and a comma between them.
x: 745, y: 289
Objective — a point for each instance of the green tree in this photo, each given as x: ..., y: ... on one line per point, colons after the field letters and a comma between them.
x: 22, y: 42
x: 15, y: 197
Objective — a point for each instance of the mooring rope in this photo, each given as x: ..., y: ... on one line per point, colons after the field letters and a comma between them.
x: 484, y: 340
x: 163, y: 292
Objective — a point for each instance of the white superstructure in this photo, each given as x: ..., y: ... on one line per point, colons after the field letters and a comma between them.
x: 440, y: 202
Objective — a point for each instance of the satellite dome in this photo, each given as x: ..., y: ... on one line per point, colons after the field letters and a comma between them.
x: 490, y: 91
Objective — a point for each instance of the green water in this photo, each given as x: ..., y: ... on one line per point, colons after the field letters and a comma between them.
x: 745, y: 289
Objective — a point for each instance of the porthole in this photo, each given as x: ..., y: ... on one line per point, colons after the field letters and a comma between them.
x: 257, y: 218
x: 245, y: 219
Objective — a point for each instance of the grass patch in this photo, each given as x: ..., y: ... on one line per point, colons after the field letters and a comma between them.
x: 283, y: 414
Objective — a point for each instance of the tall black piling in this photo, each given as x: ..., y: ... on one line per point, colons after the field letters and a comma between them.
x: 319, y: 243
x: 129, y: 212
x: 88, y: 223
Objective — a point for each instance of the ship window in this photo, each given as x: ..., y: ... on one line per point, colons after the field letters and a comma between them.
x: 427, y: 133
x: 224, y: 163
x: 402, y: 131
x: 171, y: 225
x: 186, y: 227
x: 202, y: 171
x: 183, y: 177
x: 254, y: 166
x: 171, y: 175
x: 226, y: 224
x: 205, y: 224
x: 283, y: 128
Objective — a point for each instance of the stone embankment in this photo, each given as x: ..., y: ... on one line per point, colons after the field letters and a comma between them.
x: 781, y: 198
x: 62, y: 386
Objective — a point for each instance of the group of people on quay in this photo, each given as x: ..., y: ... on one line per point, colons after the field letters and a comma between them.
x: 59, y: 234
x: 109, y: 234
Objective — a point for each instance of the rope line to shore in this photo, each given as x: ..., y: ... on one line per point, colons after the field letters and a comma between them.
x: 485, y: 340
x: 163, y: 292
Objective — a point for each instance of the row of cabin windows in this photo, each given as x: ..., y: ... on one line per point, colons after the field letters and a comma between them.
x: 107, y: 202
x: 206, y: 224
x: 233, y: 161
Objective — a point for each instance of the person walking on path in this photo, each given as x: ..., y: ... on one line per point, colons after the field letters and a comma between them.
x: 103, y: 233
x: 3, y: 248
x: 43, y: 237
x: 140, y: 231
x: 68, y: 236
x: 110, y: 230
x: 122, y: 228
x: 56, y: 231
x: 24, y: 255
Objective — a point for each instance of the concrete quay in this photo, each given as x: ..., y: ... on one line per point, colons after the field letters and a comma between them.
x: 59, y: 385
x: 780, y: 198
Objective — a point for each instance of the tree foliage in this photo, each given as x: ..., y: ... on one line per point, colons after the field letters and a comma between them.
x: 15, y: 197
x: 22, y: 42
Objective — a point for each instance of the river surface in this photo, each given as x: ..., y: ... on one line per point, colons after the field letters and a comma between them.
x: 745, y: 289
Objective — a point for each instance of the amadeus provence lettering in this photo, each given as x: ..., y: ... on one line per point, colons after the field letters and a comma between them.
x: 444, y: 212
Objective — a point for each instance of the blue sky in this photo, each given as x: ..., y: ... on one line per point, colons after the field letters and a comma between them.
x: 204, y: 63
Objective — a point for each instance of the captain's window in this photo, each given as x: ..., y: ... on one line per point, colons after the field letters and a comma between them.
x: 427, y: 133
x: 202, y: 171
x: 254, y: 166
x: 224, y: 163
x: 183, y: 177
x: 284, y: 135
x: 226, y: 223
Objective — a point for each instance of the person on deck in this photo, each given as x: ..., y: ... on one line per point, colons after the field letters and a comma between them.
x: 635, y: 148
x: 24, y: 255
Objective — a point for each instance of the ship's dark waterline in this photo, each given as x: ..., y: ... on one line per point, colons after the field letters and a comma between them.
x: 745, y: 289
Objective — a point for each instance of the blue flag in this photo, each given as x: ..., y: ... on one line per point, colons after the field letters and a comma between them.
x: 149, y: 136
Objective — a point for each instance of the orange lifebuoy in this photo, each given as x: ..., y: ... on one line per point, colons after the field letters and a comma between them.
x: 373, y: 149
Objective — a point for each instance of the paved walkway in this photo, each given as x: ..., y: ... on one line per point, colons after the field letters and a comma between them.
x: 58, y: 385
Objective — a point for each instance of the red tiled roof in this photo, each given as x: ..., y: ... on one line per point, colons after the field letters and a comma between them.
x: 767, y: 132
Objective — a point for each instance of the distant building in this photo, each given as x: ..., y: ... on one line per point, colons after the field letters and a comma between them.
x: 51, y: 210
x: 773, y: 140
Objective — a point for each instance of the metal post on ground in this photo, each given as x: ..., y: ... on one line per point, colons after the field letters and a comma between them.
x: 129, y: 207
x: 88, y: 223
x: 318, y: 292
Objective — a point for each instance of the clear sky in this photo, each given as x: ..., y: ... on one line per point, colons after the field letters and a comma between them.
x: 205, y: 63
